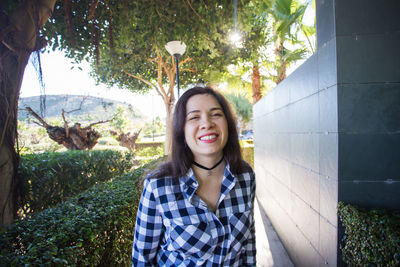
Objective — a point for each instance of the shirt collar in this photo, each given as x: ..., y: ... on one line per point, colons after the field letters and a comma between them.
x: 189, y: 183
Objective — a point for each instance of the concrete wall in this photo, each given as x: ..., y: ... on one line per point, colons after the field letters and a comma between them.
x: 330, y: 131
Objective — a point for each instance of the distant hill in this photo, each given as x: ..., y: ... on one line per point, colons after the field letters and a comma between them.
x: 91, y: 108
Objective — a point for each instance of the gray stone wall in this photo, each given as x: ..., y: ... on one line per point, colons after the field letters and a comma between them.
x: 296, y: 160
x: 368, y: 49
x: 331, y: 131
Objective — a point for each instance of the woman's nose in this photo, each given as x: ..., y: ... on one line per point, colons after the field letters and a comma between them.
x: 206, y: 123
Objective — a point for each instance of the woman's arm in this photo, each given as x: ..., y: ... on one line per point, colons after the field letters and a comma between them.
x: 148, y: 229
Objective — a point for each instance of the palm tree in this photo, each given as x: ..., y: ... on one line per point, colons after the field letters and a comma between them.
x: 287, y: 22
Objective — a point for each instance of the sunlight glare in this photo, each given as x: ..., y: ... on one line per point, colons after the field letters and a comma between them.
x: 236, y: 39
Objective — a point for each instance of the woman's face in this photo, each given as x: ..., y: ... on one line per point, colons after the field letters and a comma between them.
x: 206, y: 128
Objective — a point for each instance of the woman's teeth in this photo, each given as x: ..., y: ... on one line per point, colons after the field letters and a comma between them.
x: 208, y: 137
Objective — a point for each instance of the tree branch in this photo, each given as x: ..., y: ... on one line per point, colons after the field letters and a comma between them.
x: 90, y: 125
x: 33, y: 113
x: 145, y: 81
x: 160, y: 62
x: 92, y: 9
x: 188, y: 70
x: 192, y: 8
x: 80, y: 105
x: 186, y: 60
x: 65, y: 123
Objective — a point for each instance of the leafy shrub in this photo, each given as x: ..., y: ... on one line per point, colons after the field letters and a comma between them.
x: 50, y: 178
x: 149, y: 150
x: 109, y: 141
x: 94, y: 228
x: 372, y: 237
x: 142, y: 145
x: 248, y: 152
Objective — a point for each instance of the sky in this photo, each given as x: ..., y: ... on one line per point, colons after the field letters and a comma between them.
x: 60, y: 79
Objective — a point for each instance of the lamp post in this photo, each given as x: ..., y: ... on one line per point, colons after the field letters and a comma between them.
x: 176, y: 49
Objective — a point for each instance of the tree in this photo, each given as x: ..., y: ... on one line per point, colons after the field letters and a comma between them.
x: 128, y: 139
x: 19, y: 35
x: 139, y: 61
x: 287, y: 16
x: 242, y: 106
x: 92, y: 30
x: 257, y: 37
x: 266, y: 23
x: 75, y: 137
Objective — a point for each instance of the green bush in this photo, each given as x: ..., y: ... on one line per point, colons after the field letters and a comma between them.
x: 109, y: 141
x: 49, y: 178
x: 94, y: 228
x: 149, y: 150
x: 372, y: 237
x: 142, y: 145
x: 247, y: 152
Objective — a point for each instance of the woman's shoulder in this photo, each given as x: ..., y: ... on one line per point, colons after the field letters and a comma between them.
x: 245, y: 168
x: 157, y: 181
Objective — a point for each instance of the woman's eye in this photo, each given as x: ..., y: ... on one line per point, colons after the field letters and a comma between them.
x: 216, y: 115
x: 193, y: 118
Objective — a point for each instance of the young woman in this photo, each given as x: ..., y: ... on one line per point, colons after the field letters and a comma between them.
x: 197, y: 209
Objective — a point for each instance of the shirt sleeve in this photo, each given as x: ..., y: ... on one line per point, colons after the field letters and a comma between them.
x: 250, y: 255
x: 148, y: 229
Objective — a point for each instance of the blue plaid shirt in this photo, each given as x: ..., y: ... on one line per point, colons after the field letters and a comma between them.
x: 174, y: 227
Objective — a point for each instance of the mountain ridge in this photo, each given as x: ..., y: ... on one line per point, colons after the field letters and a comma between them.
x: 89, y: 108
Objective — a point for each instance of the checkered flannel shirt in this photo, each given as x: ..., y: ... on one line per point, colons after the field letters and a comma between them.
x: 174, y: 227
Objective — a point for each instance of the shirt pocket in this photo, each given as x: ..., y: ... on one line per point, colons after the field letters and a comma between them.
x: 240, y: 232
x: 192, y: 240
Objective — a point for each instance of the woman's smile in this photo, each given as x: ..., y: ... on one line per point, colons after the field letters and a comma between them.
x: 208, y: 138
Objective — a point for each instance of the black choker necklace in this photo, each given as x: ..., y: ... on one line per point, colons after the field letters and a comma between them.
x: 208, y: 169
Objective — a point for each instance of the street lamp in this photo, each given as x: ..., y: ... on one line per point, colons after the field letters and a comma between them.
x: 176, y: 49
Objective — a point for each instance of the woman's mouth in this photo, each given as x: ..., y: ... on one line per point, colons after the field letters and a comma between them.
x: 209, y: 138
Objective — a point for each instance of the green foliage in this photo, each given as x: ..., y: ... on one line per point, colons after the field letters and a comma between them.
x: 127, y: 34
x: 372, y: 237
x: 50, y: 178
x: 247, y: 151
x: 120, y: 121
x: 33, y: 138
x: 108, y: 141
x: 149, y: 150
x: 94, y: 228
x: 242, y: 106
x: 155, y: 127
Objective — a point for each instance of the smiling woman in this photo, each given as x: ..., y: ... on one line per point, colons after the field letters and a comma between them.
x: 197, y: 208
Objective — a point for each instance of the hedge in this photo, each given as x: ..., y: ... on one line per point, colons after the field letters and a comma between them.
x: 372, y: 237
x: 247, y: 152
x: 149, y: 149
x: 94, y: 228
x: 49, y: 178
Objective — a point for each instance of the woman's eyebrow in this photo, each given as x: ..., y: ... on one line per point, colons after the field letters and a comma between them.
x: 192, y: 111
x: 196, y: 110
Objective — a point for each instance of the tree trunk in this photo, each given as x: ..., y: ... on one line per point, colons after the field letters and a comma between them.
x: 281, y: 71
x: 73, y: 138
x: 256, y: 84
x: 168, y: 97
x: 169, y: 106
x: 127, y: 140
x: 18, y: 40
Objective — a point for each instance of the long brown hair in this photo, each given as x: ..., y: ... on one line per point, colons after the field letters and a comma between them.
x: 182, y: 158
